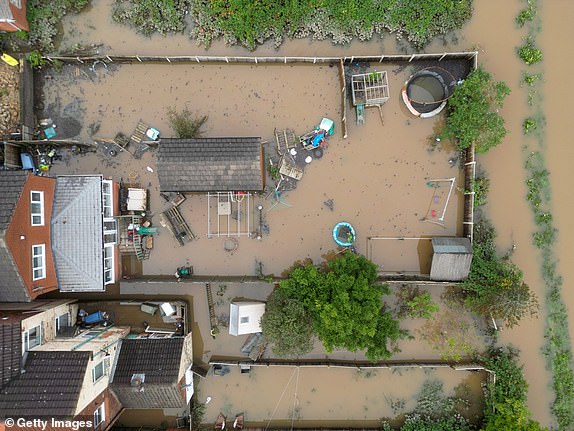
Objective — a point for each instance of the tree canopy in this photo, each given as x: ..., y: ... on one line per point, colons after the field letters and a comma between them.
x: 345, y: 305
x: 287, y: 325
x: 473, y: 112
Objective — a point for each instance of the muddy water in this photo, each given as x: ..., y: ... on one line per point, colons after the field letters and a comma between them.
x: 492, y: 32
x: 378, y: 179
x: 279, y: 394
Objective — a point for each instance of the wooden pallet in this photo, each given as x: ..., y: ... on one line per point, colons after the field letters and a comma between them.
x: 289, y: 169
x: 286, y: 139
x: 175, y: 223
x: 139, y: 133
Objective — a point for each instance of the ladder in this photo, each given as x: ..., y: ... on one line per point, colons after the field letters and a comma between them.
x: 142, y: 253
x: 139, y: 133
x: 212, y: 319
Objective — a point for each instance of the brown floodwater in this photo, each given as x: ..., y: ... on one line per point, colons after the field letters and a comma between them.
x: 491, y: 31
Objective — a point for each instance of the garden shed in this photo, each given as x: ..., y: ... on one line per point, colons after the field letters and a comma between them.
x: 451, y: 258
x: 204, y: 165
x: 245, y: 317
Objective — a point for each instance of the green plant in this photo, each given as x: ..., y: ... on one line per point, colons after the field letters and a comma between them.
x: 250, y: 23
x: 529, y: 53
x: 152, y: 16
x: 473, y: 112
x: 481, y: 187
x: 529, y: 125
x: 36, y: 59
x: 345, y: 304
x: 526, y: 15
x: 530, y: 79
x: 414, y: 303
x: 185, y: 124
x: 22, y: 35
x: 495, y: 286
x: 197, y: 413
x: 45, y: 16
x: 287, y: 325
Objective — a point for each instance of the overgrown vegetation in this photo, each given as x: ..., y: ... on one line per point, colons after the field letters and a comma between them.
x: 526, y: 15
x: 44, y: 18
x: 249, y: 23
x: 557, y: 347
x: 415, y: 304
x: 36, y: 59
x: 344, y: 302
x: 481, y: 186
x: 505, y: 398
x: 435, y: 411
x: 529, y: 53
x: 495, y: 286
x: 529, y: 125
x: 152, y: 16
x: 473, y: 112
x: 185, y: 124
x: 287, y: 325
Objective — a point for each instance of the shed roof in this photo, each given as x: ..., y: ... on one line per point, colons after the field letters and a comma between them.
x: 51, y: 383
x: 210, y: 164
x: 451, y: 259
x: 12, y: 288
x: 245, y: 317
x: 158, y: 358
x: 77, y: 233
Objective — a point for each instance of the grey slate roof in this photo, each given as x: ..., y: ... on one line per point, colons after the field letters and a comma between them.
x: 77, y: 233
x: 5, y: 12
x: 51, y: 385
x: 10, y: 351
x: 159, y: 360
x: 210, y: 164
x: 12, y: 288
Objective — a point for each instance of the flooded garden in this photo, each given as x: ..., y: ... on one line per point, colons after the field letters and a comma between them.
x: 387, y: 179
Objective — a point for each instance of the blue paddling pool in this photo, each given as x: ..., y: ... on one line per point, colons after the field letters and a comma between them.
x: 344, y: 234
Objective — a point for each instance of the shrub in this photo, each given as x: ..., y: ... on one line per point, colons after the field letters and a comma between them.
x: 415, y: 304
x: 36, y: 59
x: 529, y: 125
x: 481, y: 186
x: 528, y: 52
x: 526, y: 15
x: 152, y: 16
x: 185, y: 124
x: 473, y: 112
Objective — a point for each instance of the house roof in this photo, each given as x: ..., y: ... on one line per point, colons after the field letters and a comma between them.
x: 10, y: 349
x: 158, y: 358
x: 12, y: 288
x: 210, y: 164
x: 51, y: 383
x: 77, y: 233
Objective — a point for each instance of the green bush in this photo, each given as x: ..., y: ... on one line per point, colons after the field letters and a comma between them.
x: 250, y: 23
x: 45, y: 16
x: 185, y: 124
x: 36, y: 59
x: 529, y: 53
x: 495, y: 286
x: 526, y: 15
x: 529, y: 125
x: 152, y: 16
x: 472, y: 116
x: 481, y: 186
x: 415, y: 304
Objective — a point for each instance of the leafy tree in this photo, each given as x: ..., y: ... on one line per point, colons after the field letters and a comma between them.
x: 495, y: 286
x: 346, y: 305
x: 287, y: 324
x: 472, y: 112
x: 512, y: 415
x: 505, y: 398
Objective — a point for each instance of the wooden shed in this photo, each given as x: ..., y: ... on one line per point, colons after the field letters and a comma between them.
x: 451, y: 259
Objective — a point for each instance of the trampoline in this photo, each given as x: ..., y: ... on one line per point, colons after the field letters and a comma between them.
x: 344, y: 234
x: 426, y: 92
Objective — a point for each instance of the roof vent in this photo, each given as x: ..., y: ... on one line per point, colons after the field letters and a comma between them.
x: 137, y: 382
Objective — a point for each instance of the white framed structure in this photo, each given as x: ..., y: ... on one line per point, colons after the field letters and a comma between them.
x: 229, y: 214
x: 245, y: 317
x: 370, y: 89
